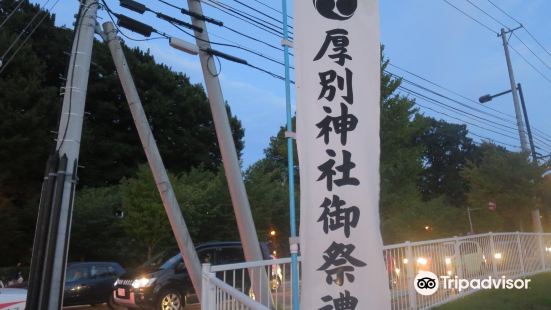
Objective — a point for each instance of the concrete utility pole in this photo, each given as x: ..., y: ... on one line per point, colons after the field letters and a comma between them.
x: 238, y: 194
x: 518, y: 113
x: 51, y: 243
x: 172, y: 208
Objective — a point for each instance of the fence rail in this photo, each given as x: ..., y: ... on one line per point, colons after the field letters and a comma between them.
x: 513, y: 255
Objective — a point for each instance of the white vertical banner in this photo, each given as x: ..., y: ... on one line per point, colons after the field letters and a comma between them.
x: 337, y: 56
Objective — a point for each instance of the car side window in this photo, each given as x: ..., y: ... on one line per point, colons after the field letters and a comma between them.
x: 229, y: 256
x: 77, y: 274
x: 101, y: 271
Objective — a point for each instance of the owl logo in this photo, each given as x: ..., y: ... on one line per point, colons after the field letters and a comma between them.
x: 336, y: 9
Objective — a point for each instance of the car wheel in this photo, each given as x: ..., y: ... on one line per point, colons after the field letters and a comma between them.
x: 170, y: 300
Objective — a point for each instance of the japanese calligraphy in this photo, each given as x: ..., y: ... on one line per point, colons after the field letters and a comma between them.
x: 341, y: 124
x: 334, y: 216
x: 328, y: 90
x: 339, y: 256
x: 338, y: 38
x: 344, y: 302
x: 327, y: 171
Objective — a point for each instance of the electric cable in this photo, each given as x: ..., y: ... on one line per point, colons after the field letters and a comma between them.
x: 543, y: 135
x: 468, y: 115
x: 5, y: 65
x: 11, y: 13
x: 531, y: 51
x: 487, y: 14
x: 262, y: 13
x: 231, y: 29
x: 469, y: 16
x: 22, y: 32
x: 80, y: 17
x: 256, y: 24
x: 452, y: 91
x: 252, y: 18
x: 271, y: 8
x: 530, y: 64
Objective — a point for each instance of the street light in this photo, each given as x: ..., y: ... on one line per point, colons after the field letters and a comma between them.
x: 488, y: 97
x: 272, y: 233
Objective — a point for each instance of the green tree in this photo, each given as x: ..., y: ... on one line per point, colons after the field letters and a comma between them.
x: 96, y: 233
x: 447, y: 149
x: 401, y: 152
x: 177, y: 110
x: 145, y: 218
x: 511, y: 181
x: 206, y: 204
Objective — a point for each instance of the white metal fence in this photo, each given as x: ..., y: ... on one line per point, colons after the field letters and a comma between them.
x: 513, y: 255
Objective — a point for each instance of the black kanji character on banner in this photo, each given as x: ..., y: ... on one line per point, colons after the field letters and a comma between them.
x: 341, y: 124
x: 338, y: 217
x: 339, y: 255
x: 328, y: 90
x: 327, y: 171
x: 339, y: 39
x: 344, y: 302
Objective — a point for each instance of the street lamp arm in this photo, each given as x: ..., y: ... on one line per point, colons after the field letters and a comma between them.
x: 489, y: 97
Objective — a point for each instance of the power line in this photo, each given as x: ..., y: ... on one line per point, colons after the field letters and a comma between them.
x: 231, y: 29
x: 456, y: 110
x: 4, y: 65
x: 542, y: 140
x: 490, y: 139
x: 253, y: 23
x: 140, y: 8
x: 526, y: 29
x: 452, y: 91
x: 271, y: 8
x: 544, y: 135
x: 265, y: 23
x: 469, y: 115
x: 460, y: 120
x: 502, y: 11
x: 22, y: 32
x: 230, y: 45
x: 469, y: 16
x: 11, y: 13
x: 530, y: 64
x: 262, y: 13
x: 531, y: 51
x: 487, y: 14
x: 212, y: 52
x: 451, y: 99
x: 81, y: 13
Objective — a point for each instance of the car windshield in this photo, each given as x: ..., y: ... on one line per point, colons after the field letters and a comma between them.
x: 172, y: 262
x: 159, y: 260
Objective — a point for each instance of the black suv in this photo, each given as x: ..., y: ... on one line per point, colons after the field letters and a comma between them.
x: 168, y: 286
x: 90, y: 283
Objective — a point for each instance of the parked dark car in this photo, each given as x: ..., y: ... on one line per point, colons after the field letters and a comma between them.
x: 168, y: 286
x: 90, y: 283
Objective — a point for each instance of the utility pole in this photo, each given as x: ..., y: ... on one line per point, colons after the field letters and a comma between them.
x: 51, y: 241
x: 240, y: 201
x: 172, y: 208
x: 528, y: 129
x: 518, y: 113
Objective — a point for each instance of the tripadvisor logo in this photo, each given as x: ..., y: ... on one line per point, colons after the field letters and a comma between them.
x: 427, y: 283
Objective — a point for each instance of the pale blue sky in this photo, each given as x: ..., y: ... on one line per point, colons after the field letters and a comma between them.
x: 427, y: 37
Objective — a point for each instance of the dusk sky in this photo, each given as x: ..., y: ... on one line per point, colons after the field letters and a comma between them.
x: 429, y: 38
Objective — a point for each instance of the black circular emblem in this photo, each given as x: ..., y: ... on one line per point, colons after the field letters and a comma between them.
x: 336, y: 9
